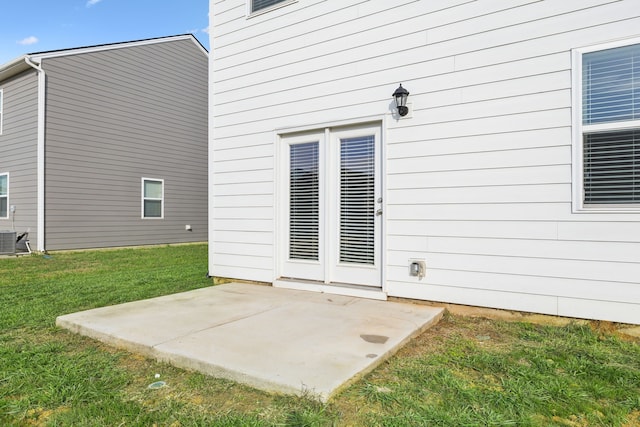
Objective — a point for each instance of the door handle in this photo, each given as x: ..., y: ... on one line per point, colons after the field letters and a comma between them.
x: 379, y: 212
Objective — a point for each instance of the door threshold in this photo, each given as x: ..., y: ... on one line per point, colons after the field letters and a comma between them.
x: 332, y: 288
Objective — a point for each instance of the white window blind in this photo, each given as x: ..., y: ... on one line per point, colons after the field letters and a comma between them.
x: 611, y: 125
x: 357, y: 200
x: 612, y: 167
x: 263, y: 4
x: 611, y: 85
x: 304, y: 195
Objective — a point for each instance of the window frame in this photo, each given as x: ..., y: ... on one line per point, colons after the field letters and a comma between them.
x: 6, y: 196
x: 579, y: 130
x: 144, y: 198
x: 251, y: 13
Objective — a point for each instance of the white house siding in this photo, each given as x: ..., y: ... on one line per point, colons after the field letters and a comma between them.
x: 18, y: 145
x: 478, y: 178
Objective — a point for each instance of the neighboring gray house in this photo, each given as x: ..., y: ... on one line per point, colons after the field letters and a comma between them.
x: 106, y: 145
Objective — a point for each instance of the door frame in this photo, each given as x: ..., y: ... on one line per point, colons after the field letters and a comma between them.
x: 280, y: 235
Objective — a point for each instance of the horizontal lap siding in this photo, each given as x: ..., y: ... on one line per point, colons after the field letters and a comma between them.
x: 114, y: 117
x: 272, y: 71
x: 18, y: 150
x: 478, y: 178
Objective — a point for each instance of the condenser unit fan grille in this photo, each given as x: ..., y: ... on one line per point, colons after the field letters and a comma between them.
x: 7, y: 242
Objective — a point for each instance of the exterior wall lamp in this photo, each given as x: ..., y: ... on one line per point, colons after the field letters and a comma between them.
x: 401, y: 95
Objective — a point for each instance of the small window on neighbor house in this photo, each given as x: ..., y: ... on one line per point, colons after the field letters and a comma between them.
x: 257, y: 5
x: 610, y: 127
x: 4, y: 195
x: 152, y: 198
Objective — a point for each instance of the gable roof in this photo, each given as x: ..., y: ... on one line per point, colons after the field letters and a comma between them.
x: 21, y: 63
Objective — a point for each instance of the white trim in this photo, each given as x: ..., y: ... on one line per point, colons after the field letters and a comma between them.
x: 6, y: 195
x: 1, y: 109
x: 40, y: 154
x: 327, y: 182
x: 41, y: 186
x: 612, y: 44
x: 278, y: 219
x: 357, y: 121
x: 251, y: 14
x: 334, y: 289
x: 210, y: 143
x: 37, y: 57
x: 576, y: 142
x: 144, y: 198
x: 383, y: 193
x: 577, y: 167
x: 603, y: 127
x: 13, y: 67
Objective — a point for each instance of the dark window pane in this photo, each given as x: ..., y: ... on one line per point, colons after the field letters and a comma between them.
x: 152, y: 209
x: 612, y: 167
x: 263, y: 4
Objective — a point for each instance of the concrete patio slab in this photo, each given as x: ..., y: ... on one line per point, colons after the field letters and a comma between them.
x: 275, y: 339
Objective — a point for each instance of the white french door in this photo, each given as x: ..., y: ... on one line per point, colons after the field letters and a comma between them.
x: 303, y: 206
x: 356, y: 208
x: 332, y: 206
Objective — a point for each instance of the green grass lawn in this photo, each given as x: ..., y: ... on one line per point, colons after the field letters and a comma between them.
x: 462, y: 372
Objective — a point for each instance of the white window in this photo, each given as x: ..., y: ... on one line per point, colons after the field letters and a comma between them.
x: 607, y: 139
x: 4, y: 195
x: 1, y: 111
x: 260, y: 5
x: 152, y: 198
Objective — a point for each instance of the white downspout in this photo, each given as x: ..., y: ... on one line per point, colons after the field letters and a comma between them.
x: 42, y: 80
x: 211, y: 137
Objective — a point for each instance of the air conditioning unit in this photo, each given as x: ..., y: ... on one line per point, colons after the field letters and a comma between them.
x: 7, y: 242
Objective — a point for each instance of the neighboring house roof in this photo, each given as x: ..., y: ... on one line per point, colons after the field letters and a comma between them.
x: 14, y: 67
x: 20, y: 64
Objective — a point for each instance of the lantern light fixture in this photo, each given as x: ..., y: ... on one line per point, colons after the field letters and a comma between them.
x: 401, y: 95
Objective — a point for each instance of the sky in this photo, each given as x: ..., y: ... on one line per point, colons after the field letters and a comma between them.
x: 30, y: 26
